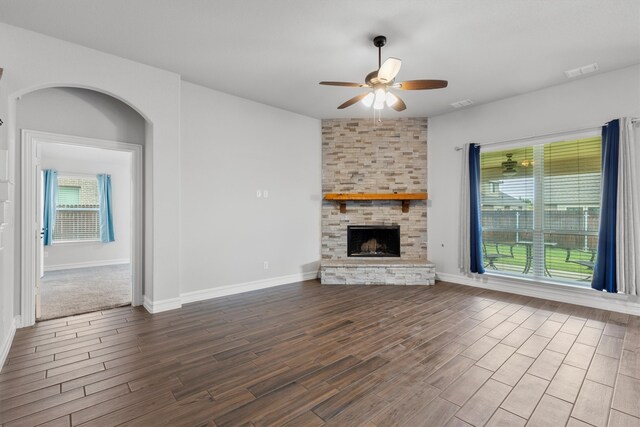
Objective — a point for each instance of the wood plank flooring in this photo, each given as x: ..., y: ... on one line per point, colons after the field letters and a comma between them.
x: 311, y: 355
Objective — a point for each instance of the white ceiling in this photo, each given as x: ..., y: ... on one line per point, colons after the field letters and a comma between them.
x: 276, y: 51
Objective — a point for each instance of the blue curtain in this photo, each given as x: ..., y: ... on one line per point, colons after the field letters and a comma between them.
x: 106, y: 215
x: 604, y: 275
x: 50, y: 196
x: 475, y: 230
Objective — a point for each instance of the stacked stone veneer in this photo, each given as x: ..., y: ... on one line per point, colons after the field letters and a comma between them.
x: 361, y: 157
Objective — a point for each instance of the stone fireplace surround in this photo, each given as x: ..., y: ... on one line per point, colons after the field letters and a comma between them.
x: 360, y: 157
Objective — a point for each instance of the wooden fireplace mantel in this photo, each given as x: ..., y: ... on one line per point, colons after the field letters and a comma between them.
x: 405, y: 198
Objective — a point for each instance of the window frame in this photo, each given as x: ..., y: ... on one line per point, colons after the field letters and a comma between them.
x: 538, y: 264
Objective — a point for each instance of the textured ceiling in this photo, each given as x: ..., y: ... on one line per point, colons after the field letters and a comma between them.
x: 276, y: 52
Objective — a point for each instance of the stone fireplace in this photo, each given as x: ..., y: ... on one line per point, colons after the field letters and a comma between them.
x: 375, y: 241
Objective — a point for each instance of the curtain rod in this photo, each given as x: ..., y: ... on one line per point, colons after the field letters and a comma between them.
x: 458, y: 148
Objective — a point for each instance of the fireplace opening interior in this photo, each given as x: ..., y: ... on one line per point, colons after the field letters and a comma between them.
x: 373, y: 241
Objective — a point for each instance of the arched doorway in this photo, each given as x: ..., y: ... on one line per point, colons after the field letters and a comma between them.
x: 92, y: 120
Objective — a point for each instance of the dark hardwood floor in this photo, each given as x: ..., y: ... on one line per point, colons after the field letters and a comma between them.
x: 308, y: 355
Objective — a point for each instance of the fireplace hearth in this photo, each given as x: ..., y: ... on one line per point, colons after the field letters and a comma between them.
x: 373, y: 240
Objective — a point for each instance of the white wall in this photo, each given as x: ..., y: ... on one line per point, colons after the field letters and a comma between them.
x: 584, y: 103
x: 92, y: 161
x: 230, y: 148
x: 33, y: 61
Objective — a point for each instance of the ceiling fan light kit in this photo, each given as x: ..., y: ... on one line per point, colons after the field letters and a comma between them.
x: 391, y: 99
x: 381, y: 81
x: 368, y: 100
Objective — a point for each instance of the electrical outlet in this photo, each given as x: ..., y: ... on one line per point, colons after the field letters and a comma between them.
x: 258, y: 194
x: 266, y: 265
x: 46, y: 254
x: 265, y: 194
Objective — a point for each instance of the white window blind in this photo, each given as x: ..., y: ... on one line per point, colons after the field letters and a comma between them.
x: 540, y: 209
x: 77, y: 210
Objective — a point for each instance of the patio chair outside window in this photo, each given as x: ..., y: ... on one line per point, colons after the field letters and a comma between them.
x: 585, y: 258
x: 493, y: 253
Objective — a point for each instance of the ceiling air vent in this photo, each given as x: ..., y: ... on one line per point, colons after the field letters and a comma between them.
x: 463, y: 103
x: 587, y: 69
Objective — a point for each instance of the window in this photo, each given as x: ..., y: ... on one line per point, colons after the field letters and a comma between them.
x: 77, y: 210
x: 540, y: 208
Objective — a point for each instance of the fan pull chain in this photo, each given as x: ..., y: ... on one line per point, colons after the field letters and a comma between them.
x: 378, y: 121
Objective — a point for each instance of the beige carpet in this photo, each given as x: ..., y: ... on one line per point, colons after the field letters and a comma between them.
x: 81, y: 290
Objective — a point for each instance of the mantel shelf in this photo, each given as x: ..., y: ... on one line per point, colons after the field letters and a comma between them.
x: 342, y: 198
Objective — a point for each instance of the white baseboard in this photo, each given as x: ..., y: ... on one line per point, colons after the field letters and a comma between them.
x: 238, y: 288
x: 162, y: 305
x: 205, y: 294
x: 6, y: 345
x: 86, y: 264
x: 562, y: 293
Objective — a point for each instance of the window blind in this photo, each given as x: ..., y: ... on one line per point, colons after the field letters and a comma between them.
x: 540, y: 209
x: 572, y: 177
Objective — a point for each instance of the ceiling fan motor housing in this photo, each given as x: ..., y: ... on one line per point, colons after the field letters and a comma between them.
x: 372, y: 79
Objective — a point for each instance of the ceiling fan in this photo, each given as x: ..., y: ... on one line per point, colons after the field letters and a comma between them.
x: 382, y: 80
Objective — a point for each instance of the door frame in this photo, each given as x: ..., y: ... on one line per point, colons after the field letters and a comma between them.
x: 29, y: 141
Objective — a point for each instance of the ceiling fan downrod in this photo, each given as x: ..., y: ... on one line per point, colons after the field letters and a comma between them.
x: 379, y: 41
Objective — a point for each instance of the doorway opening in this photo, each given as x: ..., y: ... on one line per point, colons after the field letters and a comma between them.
x: 85, y: 213
x: 59, y: 114
x: 82, y: 224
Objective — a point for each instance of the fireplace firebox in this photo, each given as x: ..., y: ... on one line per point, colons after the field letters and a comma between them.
x: 373, y: 240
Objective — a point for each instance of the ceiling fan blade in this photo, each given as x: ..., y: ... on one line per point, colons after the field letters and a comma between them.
x: 389, y: 70
x: 347, y: 84
x: 421, y: 84
x: 352, y: 101
x: 399, y: 105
